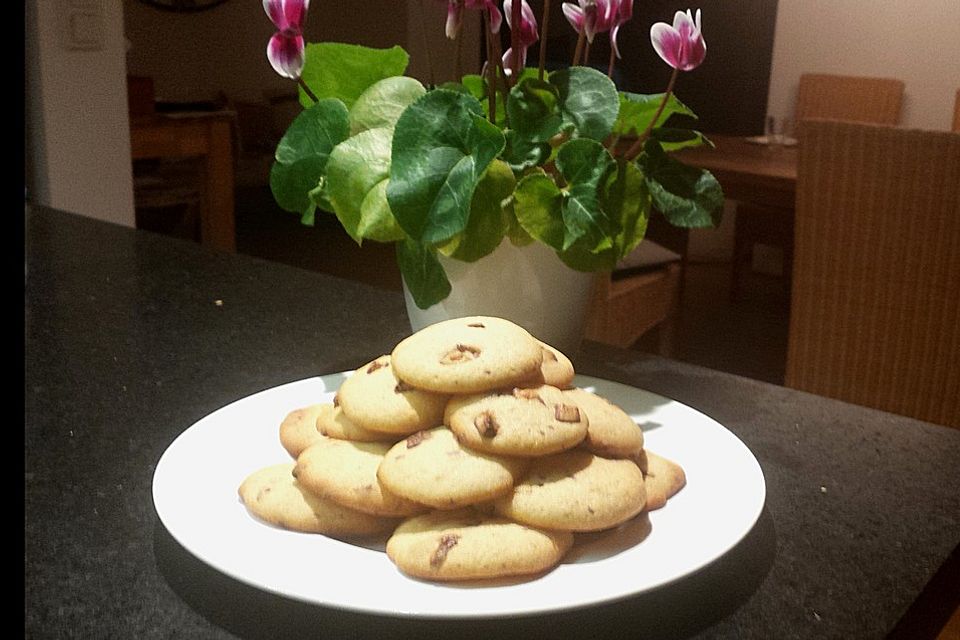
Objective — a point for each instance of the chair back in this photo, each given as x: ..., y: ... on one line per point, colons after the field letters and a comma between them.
x: 956, y: 113
x: 849, y: 98
x: 875, y: 306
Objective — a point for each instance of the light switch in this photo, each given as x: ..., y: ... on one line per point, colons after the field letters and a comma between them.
x: 82, y: 26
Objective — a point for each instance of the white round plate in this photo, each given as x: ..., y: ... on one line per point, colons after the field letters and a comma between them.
x: 195, y: 495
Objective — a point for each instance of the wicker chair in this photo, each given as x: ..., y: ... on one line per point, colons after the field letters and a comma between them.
x: 956, y: 113
x: 642, y: 293
x: 849, y: 98
x: 875, y: 311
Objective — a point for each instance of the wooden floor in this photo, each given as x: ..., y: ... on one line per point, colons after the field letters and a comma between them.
x: 748, y: 338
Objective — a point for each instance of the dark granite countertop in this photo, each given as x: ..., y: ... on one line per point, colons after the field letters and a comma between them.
x: 132, y: 337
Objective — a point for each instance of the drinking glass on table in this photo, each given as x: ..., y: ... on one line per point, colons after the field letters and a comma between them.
x: 776, y: 129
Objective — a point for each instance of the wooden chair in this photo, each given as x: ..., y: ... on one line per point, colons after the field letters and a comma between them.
x: 875, y: 312
x: 849, y: 98
x: 956, y: 113
x: 642, y: 294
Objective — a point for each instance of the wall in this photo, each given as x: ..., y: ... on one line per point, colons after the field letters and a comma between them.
x: 77, y: 139
x: 917, y: 42
x: 192, y: 57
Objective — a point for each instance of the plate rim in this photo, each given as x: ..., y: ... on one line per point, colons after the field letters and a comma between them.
x: 747, y: 524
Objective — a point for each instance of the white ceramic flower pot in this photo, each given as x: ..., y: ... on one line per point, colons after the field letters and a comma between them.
x: 526, y: 285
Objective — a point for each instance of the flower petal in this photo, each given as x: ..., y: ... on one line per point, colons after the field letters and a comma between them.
x: 507, y: 60
x: 274, y: 10
x: 295, y: 12
x: 286, y: 14
x: 285, y: 53
x: 574, y: 15
x: 495, y: 18
x: 528, y: 22
x: 666, y: 42
x: 590, y: 11
x: 454, y: 18
x: 682, y: 45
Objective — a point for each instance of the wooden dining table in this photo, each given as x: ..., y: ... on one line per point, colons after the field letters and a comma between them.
x: 206, y: 135
x: 132, y: 337
x: 748, y: 171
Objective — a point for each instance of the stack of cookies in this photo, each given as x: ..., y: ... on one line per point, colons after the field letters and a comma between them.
x: 471, y: 446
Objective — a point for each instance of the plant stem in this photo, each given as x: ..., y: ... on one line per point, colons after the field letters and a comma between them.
x: 491, y: 71
x: 579, y: 50
x: 516, y: 18
x: 426, y: 45
x: 458, y: 52
x: 544, y: 23
x: 634, y: 150
x: 306, y: 90
x: 586, y: 54
x: 613, y: 60
x: 497, y: 54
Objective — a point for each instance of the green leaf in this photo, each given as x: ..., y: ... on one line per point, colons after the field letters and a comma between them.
x: 522, y: 153
x: 537, y: 204
x: 637, y: 110
x: 376, y: 220
x: 562, y: 217
x: 533, y: 108
x: 301, y: 155
x: 588, y: 101
x: 476, y: 86
x: 457, y: 87
x: 423, y: 274
x: 584, y: 164
x: 687, y: 196
x: 291, y: 185
x: 357, y: 174
x: 344, y: 71
x: 441, y: 147
x: 626, y: 200
x: 488, y: 220
x: 383, y: 102
x: 675, y: 139
x: 314, y: 132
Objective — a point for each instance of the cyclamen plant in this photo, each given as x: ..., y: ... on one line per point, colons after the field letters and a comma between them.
x: 562, y: 158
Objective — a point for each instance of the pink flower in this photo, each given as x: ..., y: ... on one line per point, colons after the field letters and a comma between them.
x: 681, y: 46
x: 528, y: 32
x: 624, y: 14
x: 455, y: 15
x: 593, y: 16
x: 285, y: 49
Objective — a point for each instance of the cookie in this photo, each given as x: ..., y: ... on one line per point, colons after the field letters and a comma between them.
x: 375, y: 399
x: 464, y: 545
x: 299, y: 429
x: 346, y: 472
x: 663, y: 478
x: 332, y: 423
x: 273, y: 495
x: 576, y: 491
x: 612, y: 432
x: 534, y: 421
x: 432, y: 468
x: 467, y: 355
x: 556, y: 369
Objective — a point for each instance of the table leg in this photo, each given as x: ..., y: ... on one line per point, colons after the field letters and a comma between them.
x: 218, y: 227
